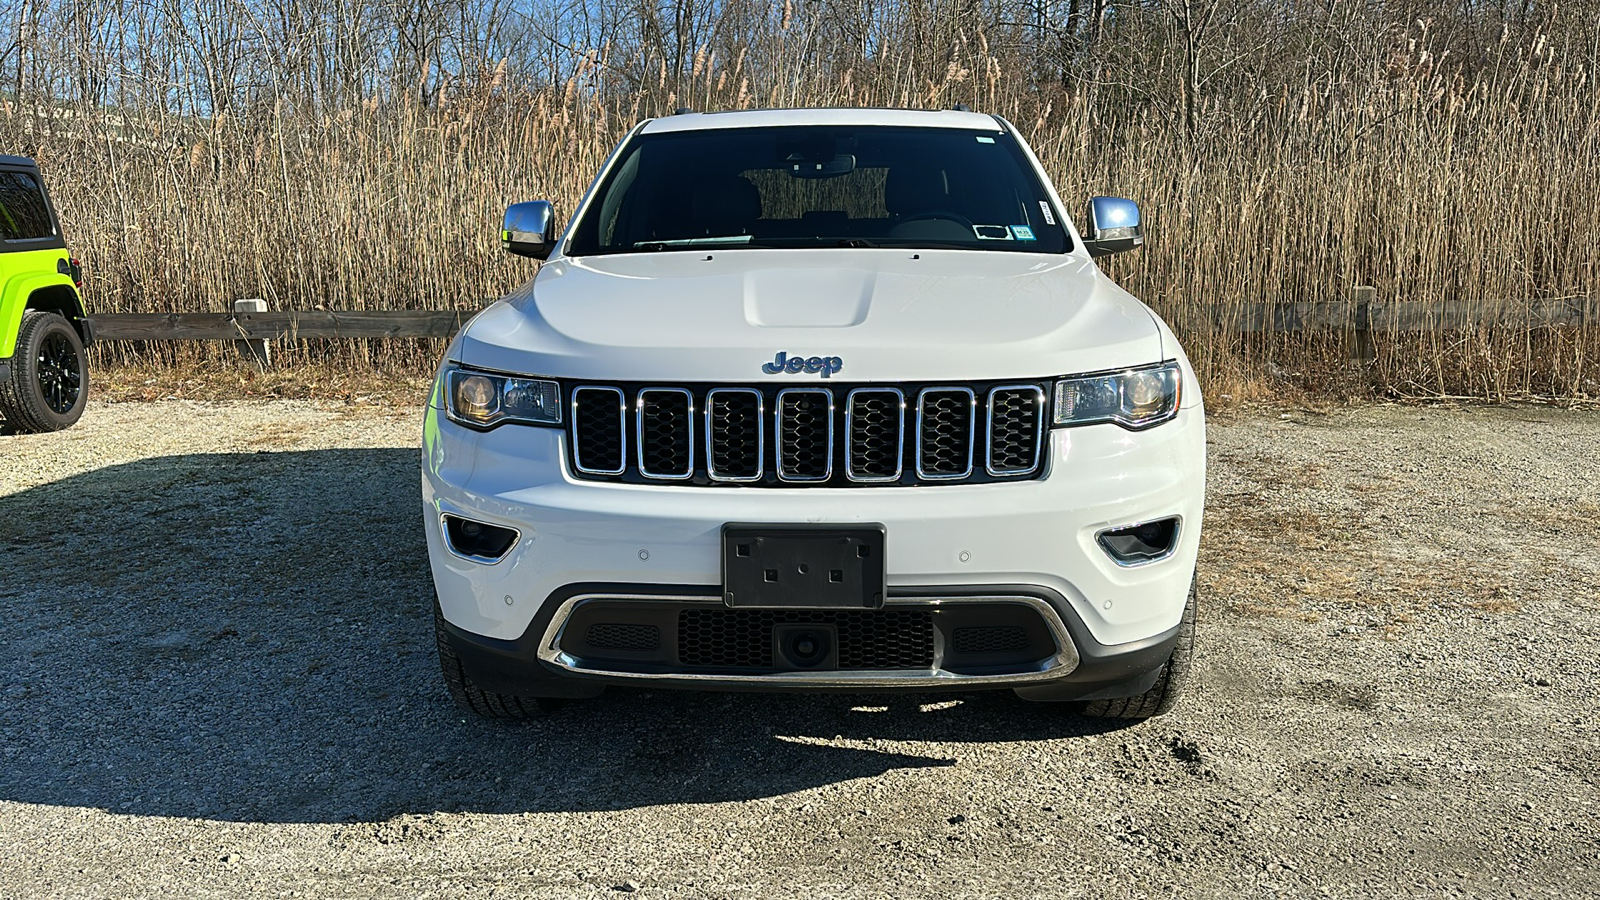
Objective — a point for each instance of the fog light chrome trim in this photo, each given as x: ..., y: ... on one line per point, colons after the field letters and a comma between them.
x: 1135, y: 562
x: 449, y: 545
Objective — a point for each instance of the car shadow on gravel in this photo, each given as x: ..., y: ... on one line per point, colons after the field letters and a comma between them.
x: 247, y: 637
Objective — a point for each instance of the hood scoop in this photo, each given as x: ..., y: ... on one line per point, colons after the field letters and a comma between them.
x: 808, y: 298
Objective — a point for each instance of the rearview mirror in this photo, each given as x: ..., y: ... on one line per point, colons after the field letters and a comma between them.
x: 1113, y: 226
x: 529, y: 229
x: 839, y: 164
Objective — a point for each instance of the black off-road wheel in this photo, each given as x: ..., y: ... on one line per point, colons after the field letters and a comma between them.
x: 469, y: 696
x: 1163, y: 695
x: 49, y: 383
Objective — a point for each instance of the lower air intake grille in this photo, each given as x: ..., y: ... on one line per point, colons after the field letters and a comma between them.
x: 615, y: 636
x: 989, y: 640
x: 868, y: 639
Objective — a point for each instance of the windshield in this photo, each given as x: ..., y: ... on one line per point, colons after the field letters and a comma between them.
x: 821, y: 186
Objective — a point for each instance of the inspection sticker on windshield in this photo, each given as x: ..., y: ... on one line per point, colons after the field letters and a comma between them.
x: 1049, y: 217
x: 1022, y: 232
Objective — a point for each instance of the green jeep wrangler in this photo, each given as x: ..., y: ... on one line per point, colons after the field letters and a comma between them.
x: 44, y: 373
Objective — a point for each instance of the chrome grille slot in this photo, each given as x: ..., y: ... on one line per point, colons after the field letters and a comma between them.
x: 1016, y: 429
x: 875, y: 425
x: 805, y: 434
x: 666, y: 433
x: 945, y: 420
x: 599, y: 430
x: 735, y: 434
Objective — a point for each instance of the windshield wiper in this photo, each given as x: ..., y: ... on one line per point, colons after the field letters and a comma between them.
x: 720, y: 241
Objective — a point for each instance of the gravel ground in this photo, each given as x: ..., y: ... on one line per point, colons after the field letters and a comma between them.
x: 219, y: 681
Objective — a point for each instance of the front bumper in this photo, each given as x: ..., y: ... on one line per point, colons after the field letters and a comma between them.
x: 1030, y: 541
x: 1077, y: 667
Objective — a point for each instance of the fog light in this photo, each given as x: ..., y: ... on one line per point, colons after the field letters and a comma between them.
x: 1142, y: 542
x: 477, y: 541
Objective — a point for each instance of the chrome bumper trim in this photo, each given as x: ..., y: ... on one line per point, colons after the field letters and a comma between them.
x: 1062, y: 663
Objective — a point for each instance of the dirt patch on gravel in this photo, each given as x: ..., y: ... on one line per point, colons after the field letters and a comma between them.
x: 219, y: 681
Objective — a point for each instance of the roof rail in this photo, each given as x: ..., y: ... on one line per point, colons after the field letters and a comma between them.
x: 682, y: 111
x: 961, y: 107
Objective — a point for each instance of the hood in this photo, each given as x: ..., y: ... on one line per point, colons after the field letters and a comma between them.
x: 878, y: 315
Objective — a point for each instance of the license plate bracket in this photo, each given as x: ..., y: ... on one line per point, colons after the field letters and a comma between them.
x: 803, y: 566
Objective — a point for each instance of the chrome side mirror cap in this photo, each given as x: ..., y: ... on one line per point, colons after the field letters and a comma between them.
x: 529, y: 229
x: 1113, y: 226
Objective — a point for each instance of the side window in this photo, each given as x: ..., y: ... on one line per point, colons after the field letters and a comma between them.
x: 23, y: 214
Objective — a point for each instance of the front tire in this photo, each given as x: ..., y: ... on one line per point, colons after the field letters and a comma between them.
x: 49, y: 383
x: 469, y: 696
x: 1163, y: 695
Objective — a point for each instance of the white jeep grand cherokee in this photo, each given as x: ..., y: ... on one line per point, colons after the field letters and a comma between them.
x: 817, y: 400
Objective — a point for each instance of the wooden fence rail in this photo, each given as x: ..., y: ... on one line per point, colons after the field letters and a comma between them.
x: 281, y: 324
x: 1360, y: 313
x: 255, y: 328
x: 1404, y: 315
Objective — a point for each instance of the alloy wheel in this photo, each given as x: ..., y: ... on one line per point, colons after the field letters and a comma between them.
x: 60, y: 378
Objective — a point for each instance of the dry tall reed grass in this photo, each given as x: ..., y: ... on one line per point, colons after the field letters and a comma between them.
x: 1432, y: 182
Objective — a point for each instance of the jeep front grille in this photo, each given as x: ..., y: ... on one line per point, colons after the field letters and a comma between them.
x: 815, y: 435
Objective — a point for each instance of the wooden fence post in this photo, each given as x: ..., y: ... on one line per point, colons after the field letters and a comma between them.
x: 1361, y: 298
x: 254, y: 348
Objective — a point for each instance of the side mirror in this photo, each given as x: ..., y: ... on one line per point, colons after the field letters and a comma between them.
x: 1113, y: 226
x: 529, y: 229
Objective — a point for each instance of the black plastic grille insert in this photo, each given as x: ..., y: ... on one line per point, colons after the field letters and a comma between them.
x: 989, y: 639
x: 868, y: 639
x: 623, y: 636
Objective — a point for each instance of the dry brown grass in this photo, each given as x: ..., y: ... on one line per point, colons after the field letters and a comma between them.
x: 1431, y: 179
x: 230, y: 379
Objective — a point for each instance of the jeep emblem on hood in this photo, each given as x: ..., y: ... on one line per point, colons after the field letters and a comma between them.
x: 794, y: 365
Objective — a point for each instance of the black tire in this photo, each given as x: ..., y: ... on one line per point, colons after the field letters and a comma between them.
x: 49, y: 383
x: 1164, y: 694
x: 469, y: 696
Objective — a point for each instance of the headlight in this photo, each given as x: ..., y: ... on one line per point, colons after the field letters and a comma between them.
x: 1134, y: 398
x: 485, y: 399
